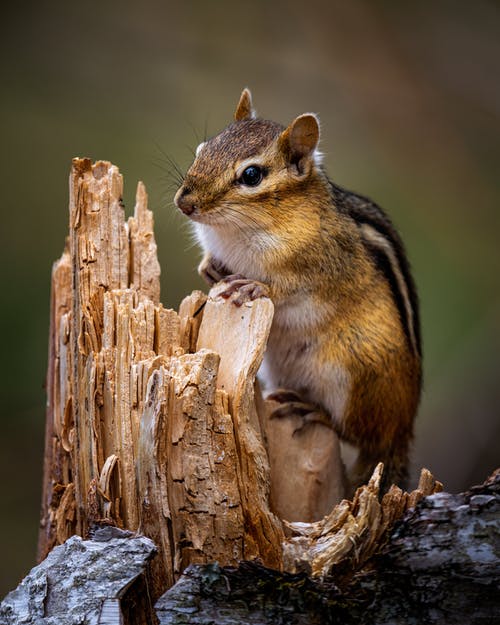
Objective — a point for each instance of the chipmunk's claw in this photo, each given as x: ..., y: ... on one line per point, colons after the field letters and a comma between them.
x: 242, y: 289
x: 293, y: 405
x: 284, y: 396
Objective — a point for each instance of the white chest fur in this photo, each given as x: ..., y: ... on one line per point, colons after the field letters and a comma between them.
x: 293, y: 358
x: 241, y: 251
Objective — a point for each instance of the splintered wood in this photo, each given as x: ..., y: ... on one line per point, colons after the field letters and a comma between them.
x: 155, y: 422
x: 345, y: 540
x: 140, y: 433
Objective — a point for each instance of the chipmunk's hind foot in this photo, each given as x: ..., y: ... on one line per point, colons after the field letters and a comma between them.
x: 292, y: 405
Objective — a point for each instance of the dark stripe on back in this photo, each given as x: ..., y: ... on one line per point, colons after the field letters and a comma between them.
x: 363, y: 211
x: 383, y: 264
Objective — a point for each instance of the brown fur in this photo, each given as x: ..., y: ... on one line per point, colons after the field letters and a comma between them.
x: 336, y: 310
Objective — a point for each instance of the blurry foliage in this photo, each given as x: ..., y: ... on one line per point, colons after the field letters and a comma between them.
x: 409, y: 98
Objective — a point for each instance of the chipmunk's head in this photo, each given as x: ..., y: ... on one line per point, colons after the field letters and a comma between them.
x: 244, y: 176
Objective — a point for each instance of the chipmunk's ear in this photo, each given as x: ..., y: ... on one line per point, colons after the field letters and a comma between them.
x: 245, y: 109
x: 300, y: 140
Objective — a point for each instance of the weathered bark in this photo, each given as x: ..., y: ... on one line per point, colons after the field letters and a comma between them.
x: 439, y: 566
x: 90, y: 582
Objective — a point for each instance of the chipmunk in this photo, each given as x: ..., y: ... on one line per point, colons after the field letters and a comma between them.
x: 345, y: 337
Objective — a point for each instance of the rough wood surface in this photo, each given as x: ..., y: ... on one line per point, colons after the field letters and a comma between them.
x: 439, y: 565
x: 239, y: 335
x: 343, y: 541
x: 112, y: 344
x: 105, y: 293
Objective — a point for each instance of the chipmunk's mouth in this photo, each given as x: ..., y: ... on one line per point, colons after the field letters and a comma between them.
x: 187, y: 202
x: 203, y: 218
x: 216, y: 215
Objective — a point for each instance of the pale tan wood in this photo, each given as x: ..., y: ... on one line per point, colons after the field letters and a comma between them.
x: 239, y: 335
x: 354, y: 531
x: 307, y: 473
x: 112, y: 294
x: 191, y: 314
x: 141, y: 435
x: 186, y: 460
x: 144, y: 273
x: 57, y: 461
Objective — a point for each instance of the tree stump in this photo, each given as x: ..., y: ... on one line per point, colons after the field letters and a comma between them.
x: 155, y: 422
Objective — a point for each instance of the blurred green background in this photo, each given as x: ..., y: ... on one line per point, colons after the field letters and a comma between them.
x: 409, y: 98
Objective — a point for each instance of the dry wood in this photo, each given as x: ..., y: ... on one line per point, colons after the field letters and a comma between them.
x: 152, y: 422
x: 155, y: 422
x: 120, y: 372
x: 354, y: 530
x: 307, y: 475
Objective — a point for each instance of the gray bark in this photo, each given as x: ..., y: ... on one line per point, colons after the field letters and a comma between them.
x: 85, y: 582
x: 443, y: 562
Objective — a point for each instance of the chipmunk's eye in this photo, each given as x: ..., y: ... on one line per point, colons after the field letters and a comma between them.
x: 252, y: 176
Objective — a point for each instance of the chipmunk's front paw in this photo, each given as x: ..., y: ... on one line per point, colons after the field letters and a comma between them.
x: 293, y: 405
x: 211, y: 270
x: 243, y: 290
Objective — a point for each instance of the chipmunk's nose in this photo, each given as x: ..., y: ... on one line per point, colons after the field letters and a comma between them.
x: 185, y: 201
